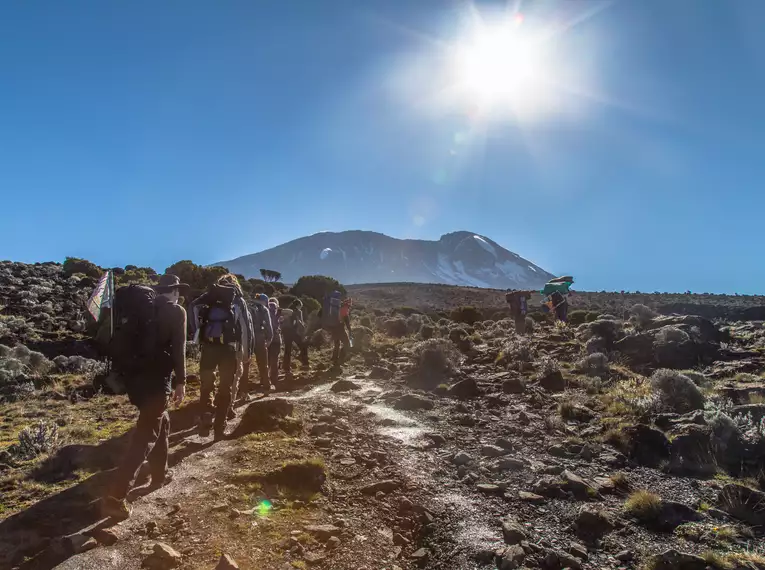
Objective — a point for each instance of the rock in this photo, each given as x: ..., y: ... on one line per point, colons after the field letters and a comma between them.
x: 512, y: 532
x: 385, y: 486
x: 691, y: 450
x: 226, y: 563
x: 78, y: 543
x: 488, y: 488
x: 420, y: 556
x: 333, y: 542
x: 578, y: 551
x: 263, y: 415
x: 553, y: 382
x: 323, y: 532
x: 743, y: 503
x: 314, y: 558
x: 412, y: 402
x: 465, y: 389
x: 344, y: 386
x: 462, y: 458
x: 674, y: 514
x: 400, y: 540
x: 532, y: 498
x: 510, y: 464
x: 574, y: 484
x: 437, y: 439
x: 511, y: 557
x: 380, y: 373
x: 492, y: 451
x: 592, y: 523
x: 513, y: 386
x: 674, y: 560
x: 104, y: 536
x: 321, y: 428
x: 504, y: 443
x: 163, y: 557
x: 556, y: 560
x: 646, y: 445
x: 625, y: 556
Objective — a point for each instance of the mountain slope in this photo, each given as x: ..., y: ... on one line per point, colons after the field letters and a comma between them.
x: 459, y: 258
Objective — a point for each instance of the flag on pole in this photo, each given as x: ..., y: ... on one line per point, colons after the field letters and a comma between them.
x: 103, y: 295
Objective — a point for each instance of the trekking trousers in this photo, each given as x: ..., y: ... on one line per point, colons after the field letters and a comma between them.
x: 339, y: 337
x: 261, y: 358
x: 149, y: 440
x: 289, y: 340
x: 223, y: 358
x: 273, y: 359
x: 520, y: 324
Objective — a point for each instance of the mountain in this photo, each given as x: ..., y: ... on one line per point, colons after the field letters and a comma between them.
x: 459, y: 258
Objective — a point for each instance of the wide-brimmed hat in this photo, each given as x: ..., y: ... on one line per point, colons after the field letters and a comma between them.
x: 168, y: 282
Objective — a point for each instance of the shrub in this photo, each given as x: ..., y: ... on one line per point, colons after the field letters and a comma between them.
x: 406, y: 311
x: 310, y: 306
x: 676, y: 391
x: 413, y: 324
x: 365, y: 321
x: 592, y: 316
x: 672, y: 335
x: 518, y: 349
x: 395, y: 328
x: 74, y: 265
x: 643, y: 505
x: 641, y: 316
x: 460, y: 337
x: 595, y: 364
x: 35, y: 440
x: 435, y: 358
x: 362, y: 337
x: 547, y: 366
x: 467, y: 315
x: 577, y: 318
x: 316, y: 286
x: 198, y: 278
x: 426, y: 332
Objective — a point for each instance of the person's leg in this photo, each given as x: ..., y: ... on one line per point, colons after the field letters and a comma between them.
x: 287, y: 358
x: 336, y: 336
x: 261, y: 358
x: 303, y: 346
x: 227, y: 370
x: 147, y: 430
x: 273, y: 360
x: 345, y: 343
x: 520, y: 324
x: 207, y: 364
x: 158, y: 455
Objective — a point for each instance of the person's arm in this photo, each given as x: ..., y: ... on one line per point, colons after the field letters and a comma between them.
x: 194, y: 308
x: 178, y: 344
x: 240, y: 309
x: 269, y: 329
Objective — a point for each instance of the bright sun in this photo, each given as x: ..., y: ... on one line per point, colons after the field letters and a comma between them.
x: 501, y: 66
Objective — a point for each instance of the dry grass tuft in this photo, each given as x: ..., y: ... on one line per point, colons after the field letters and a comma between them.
x: 643, y: 505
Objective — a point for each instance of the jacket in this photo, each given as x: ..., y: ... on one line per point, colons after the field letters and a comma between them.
x: 242, y: 320
x: 261, y: 323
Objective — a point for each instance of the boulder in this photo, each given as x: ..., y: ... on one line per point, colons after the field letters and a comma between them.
x: 493, y: 451
x: 674, y: 560
x: 512, y: 532
x: 344, y: 386
x: 513, y: 386
x: 691, y: 450
x: 462, y: 458
x: 553, y: 382
x: 465, y: 389
x: 511, y: 557
x: 323, y: 532
x: 646, y: 445
x: 743, y: 503
x: 385, y: 486
x: 264, y: 415
x: 592, y: 523
x: 163, y: 557
x: 412, y: 402
x: 226, y: 563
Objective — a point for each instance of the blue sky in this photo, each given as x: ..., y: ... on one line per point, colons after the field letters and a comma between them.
x: 147, y: 132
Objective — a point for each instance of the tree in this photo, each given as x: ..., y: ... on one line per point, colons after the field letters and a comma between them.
x: 270, y: 275
x: 74, y: 265
x: 316, y: 287
x: 198, y: 277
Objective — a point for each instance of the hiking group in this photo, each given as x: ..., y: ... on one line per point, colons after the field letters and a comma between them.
x: 148, y: 355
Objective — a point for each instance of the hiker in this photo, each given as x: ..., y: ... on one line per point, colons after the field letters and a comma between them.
x: 263, y: 334
x: 337, y: 323
x: 293, y: 332
x: 518, y: 301
x: 220, y: 315
x: 148, y: 346
x: 560, y: 305
x: 275, y: 347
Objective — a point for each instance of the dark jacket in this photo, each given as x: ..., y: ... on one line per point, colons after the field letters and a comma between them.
x: 170, y: 356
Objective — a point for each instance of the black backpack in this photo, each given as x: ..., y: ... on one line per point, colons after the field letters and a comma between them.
x: 133, y: 344
x: 219, y: 324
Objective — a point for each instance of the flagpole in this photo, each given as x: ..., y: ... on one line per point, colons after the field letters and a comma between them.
x: 111, y: 305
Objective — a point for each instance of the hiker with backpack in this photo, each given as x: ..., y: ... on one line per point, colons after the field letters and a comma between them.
x: 276, y: 342
x: 293, y: 333
x: 263, y: 335
x: 224, y: 328
x: 518, y: 302
x: 147, y: 348
x: 335, y: 319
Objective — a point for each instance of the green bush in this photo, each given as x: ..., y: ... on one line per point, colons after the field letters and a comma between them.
x: 406, y: 311
x: 316, y: 286
x: 426, y: 332
x: 310, y: 306
x: 198, y: 277
x: 74, y: 265
x: 577, y: 318
x: 467, y: 315
x: 396, y: 328
x: 592, y: 316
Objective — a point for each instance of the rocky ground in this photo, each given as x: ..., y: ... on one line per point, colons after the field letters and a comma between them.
x: 611, y: 444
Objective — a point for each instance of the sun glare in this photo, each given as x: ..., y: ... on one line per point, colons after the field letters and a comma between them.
x: 502, y: 66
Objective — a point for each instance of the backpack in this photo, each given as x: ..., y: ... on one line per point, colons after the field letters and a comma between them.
x: 330, y: 311
x: 219, y: 325
x: 133, y: 343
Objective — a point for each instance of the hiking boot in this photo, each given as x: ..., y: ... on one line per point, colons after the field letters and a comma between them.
x: 231, y: 414
x: 265, y: 388
x: 112, y: 507
x: 220, y: 434
x: 157, y: 482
